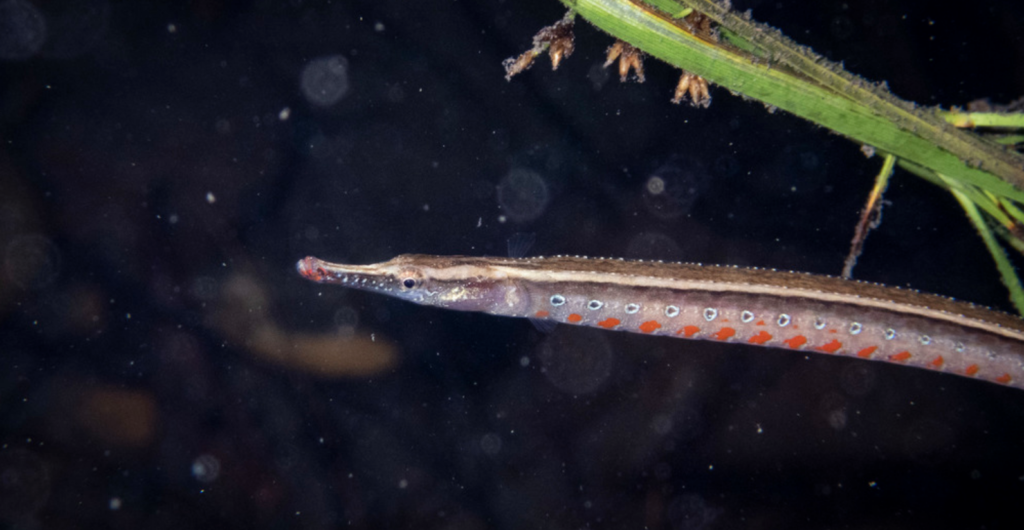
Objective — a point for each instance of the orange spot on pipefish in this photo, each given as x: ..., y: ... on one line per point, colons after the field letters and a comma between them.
x: 761, y: 337
x: 724, y: 333
x: 972, y: 369
x: 541, y: 314
x: 689, y: 331
x: 760, y: 323
x: 831, y: 347
x: 900, y: 357
x: 866, y: 352
x: 649, y: 326
x: 937, y: 362
x: 1004, y: 379
x: 796, y: 341
x: 574, y: 318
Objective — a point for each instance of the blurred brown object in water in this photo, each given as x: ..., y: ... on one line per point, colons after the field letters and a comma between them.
x: 242, y: 317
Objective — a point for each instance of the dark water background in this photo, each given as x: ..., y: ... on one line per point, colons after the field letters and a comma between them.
x: 164, y: 164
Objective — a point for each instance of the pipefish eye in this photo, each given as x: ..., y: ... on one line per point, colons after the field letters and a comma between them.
x: 410, y: 279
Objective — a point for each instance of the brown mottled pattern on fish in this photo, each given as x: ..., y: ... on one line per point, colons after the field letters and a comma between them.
x: 790, y: 310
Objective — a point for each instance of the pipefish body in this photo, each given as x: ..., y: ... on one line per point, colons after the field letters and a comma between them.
x: 789, y: 310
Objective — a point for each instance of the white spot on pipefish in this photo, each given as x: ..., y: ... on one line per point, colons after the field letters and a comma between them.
x: 924, y: 340
x: 632, y: 309
x: 594, y: 305
x: 819, y: 323
x: 746, y: 317
x: 890, y: 334
x: 557, y: 300
x: 710, y: 313
x: 783, y: 320
x: 856, y: 328
x: 671, y: 311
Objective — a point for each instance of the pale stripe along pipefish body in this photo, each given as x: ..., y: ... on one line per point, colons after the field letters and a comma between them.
x: 788, y: 310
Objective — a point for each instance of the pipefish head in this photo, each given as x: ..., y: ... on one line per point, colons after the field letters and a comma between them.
x: 453, y: 282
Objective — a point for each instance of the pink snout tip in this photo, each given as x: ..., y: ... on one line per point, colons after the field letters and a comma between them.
x: 309, y: 267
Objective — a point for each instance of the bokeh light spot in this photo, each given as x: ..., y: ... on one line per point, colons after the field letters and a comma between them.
x: 324, y: 80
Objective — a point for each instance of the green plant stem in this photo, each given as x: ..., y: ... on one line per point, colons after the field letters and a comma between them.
x: 1006, y: 270
x: 785, y: 75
